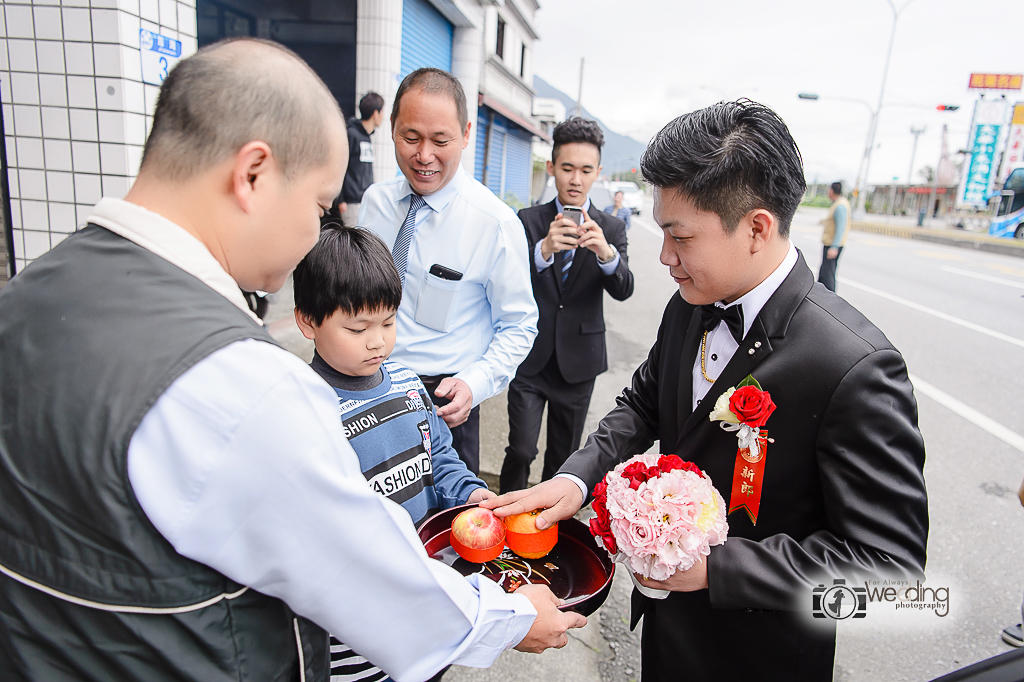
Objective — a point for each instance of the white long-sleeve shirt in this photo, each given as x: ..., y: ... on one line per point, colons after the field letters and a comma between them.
x: 481, y: 327
x: 242, y: 465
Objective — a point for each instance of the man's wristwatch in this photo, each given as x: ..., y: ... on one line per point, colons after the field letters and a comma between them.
x: 610, y: 258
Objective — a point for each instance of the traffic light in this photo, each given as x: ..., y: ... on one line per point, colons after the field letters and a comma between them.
x: 948, y: 107
x: 633, y: 171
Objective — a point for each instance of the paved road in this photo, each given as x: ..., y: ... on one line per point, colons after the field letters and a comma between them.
x: 956, y: 315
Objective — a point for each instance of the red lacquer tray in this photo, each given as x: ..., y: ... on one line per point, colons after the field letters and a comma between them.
x: 576, y: 570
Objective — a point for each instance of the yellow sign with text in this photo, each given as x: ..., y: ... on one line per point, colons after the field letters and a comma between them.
x: 996, y: 81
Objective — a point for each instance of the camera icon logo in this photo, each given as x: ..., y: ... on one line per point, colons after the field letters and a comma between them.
x: 839, y: 601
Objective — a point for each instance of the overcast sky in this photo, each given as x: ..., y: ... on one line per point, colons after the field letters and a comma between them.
x: 648, y: 61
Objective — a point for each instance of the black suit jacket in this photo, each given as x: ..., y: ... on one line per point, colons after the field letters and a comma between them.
x: 843, y: 492
x: 571, y: 321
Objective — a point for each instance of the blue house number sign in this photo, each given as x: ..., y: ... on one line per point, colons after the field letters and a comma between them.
x: 159, y: 55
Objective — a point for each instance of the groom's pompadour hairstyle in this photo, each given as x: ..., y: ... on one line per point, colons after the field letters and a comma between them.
x: 729, y: 159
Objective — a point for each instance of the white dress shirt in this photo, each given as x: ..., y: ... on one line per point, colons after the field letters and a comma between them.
x: 542, y: 265
x: 242, y: 465
x: 481, y: 327
x: 721, y: 345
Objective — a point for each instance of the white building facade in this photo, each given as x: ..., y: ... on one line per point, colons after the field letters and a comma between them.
x: 79, y: 80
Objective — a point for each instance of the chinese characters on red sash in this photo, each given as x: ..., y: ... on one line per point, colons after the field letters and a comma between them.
x: 747, y: 477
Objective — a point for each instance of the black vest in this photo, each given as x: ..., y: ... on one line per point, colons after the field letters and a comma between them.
x: 91, y: 335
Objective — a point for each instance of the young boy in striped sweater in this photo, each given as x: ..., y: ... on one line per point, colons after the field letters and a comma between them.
x: 347, y: 293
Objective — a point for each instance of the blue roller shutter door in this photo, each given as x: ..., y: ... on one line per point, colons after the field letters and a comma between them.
x: 426, y: 37
x: 509, y: 161
x: 518, y: 164
x: 481, y: 143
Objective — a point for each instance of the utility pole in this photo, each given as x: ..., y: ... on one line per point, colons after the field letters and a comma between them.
x: 935, y: 176
x: 579, y: 97
x: 916, y: 132
x: 881, y: 94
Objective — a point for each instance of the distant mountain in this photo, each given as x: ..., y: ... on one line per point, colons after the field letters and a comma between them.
x: 620, y: 151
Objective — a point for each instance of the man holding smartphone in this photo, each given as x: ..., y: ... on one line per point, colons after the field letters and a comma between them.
x: 467, y: 317
x: 577, y: 253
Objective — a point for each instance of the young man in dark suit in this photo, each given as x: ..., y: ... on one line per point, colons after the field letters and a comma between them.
x: 842, y: 489
x: 572, y: 265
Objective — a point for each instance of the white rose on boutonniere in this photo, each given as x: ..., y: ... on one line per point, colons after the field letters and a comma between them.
x: 721, y: 411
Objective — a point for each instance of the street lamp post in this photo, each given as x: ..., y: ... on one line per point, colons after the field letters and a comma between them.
x: 881, y: 95
x: 861, y: 172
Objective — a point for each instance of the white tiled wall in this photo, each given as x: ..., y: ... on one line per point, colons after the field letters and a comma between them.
x: 76, y: 112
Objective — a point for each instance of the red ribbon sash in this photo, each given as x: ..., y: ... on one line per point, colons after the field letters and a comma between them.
x: 747, y: 477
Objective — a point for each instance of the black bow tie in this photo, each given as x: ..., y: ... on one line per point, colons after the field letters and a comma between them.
x: 711, y: 315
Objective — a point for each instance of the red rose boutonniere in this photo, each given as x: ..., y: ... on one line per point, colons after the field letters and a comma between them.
x: 745, y: 410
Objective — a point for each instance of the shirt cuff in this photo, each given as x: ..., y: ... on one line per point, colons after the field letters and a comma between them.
x: 538, y: 259
x: 494, y: 606
x: 578, y: 481
x: 609, y: 267
x: 479, y: 382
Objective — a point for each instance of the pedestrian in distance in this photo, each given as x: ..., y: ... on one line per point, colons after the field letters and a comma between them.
x: 837, y: 224
x: 841, y: 494
x: 576, y: 255
x: 360, y: 160
x: 618, y: 210
x: 178, y: 501
x: 467, y: 317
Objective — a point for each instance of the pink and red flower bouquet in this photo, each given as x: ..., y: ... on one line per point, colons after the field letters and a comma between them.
x: 657, y: 515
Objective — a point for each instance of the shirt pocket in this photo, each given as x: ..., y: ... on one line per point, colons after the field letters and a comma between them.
x: 436, y: 301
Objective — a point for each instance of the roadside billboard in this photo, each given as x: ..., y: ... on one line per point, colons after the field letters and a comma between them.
x: 1014, y: 154
x: 981, y: 172
x: 995, y: 81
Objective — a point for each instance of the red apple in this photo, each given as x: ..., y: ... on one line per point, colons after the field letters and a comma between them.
x: 478, y: 535
x: 525, y: 539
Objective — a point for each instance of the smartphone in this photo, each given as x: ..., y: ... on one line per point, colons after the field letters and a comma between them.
x: 438, y: 270
x: 573, y: 213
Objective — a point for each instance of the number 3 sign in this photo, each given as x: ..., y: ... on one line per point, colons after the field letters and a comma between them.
x: 159, y: 55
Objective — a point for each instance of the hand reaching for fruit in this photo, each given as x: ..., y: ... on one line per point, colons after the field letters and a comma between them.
x: 481, y: 494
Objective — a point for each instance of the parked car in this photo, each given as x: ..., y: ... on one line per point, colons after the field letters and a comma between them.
x: 632, y: 197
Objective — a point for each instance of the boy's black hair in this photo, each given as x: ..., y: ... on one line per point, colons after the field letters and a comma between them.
x: 576, y: 129
x: 837, y: 187
x: 349, y: 269
x: 729, y: 159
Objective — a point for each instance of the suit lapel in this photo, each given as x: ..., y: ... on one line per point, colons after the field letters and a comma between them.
x: 691, y: 347
x: 771, y: 322
x: 754, y: 349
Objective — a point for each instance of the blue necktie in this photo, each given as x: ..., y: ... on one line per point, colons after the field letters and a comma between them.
x: 400, y: 252
x: 567, y: 263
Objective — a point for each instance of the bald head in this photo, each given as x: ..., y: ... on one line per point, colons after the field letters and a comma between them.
x: 234, y: 92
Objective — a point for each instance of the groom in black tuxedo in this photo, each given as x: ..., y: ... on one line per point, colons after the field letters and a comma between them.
x: 843, y: 493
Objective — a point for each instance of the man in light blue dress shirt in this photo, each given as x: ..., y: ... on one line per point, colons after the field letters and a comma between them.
x: 467, y: 317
